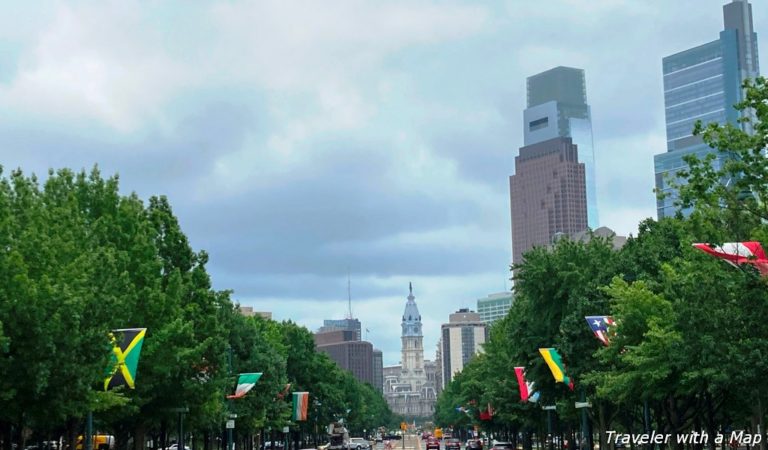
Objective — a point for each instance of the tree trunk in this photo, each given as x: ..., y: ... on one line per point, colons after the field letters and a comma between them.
x: 163, y: 435
x: 139, y: 437
x: 6, y: 435
x: 603, y: 431
x: 761, y: 422
x: 71, y: 434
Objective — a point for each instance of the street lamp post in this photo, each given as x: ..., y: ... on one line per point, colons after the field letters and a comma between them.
x: 230, y: 415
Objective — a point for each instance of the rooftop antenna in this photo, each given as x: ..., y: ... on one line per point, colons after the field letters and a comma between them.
x: 349, y: 296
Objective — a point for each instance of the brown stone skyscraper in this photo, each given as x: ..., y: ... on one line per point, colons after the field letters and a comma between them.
x: 548, y: 194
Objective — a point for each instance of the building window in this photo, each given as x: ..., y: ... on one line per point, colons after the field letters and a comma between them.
x: 538, y: 124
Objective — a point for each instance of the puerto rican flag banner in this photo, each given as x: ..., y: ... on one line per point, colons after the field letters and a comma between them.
x: 527, y: 388
x: 601, y: 327
x: 736, y: 253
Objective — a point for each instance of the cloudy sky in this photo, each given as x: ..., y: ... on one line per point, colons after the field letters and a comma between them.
x: 299, y: 141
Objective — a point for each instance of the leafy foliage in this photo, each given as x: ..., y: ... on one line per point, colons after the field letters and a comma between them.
x: 77, y: 259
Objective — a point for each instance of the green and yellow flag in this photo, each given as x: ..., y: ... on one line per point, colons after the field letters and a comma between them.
x: 556, y: 366
x: 125, y: 357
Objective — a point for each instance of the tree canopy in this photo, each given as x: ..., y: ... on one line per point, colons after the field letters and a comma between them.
x: 690, y: 339
x: 77, y: 260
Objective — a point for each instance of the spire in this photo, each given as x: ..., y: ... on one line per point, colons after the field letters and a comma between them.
x: 410, y: 287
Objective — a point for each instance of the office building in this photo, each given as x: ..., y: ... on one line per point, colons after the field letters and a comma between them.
x: 547, y: 195
x: 378, y: 370
x: 494, y: 307
x: 342, y: 324
x: 704, y: 83
x: 249, y: 312
x: 439, y: 366
x: 462, y: 337
x: 348, y: 352
x: 557, y: 107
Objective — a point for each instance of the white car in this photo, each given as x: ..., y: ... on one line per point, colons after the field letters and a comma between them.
x: 357, y: 443
x: 176, y: 447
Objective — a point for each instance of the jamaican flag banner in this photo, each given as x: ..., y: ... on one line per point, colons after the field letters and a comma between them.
x: 556, y: 366
x: 125, y: 357
x: 300, y: 403
x: 245, y: 383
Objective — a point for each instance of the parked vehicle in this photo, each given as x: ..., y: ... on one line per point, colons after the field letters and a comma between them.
x: 100, y: 442
x: 337, y: 436
x: 474, y: 444
x: 269, y: 445
x: 452, y: 444
x: 503, y: 446
x: 176, y: 447
x: 47, y: 445
x: 358, y: 443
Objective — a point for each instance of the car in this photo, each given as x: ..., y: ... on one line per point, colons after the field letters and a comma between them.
x: 269, y: 445
x: 503, y: 446
x: 432, y: 442
x: 425, y: 435
x: 47, y: 445
x: 176, y: 447
x: 452, y: 443
x: 474, y: 444
x: 358, y: 443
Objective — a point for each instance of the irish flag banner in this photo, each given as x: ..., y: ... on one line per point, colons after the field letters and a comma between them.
x: 556, y: 365
x: 300, y: 403
x: 245, y: 383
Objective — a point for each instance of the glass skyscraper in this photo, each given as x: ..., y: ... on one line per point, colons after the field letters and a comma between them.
x: 495, y: 306
x: 557, y: 107
x: 703, y: 83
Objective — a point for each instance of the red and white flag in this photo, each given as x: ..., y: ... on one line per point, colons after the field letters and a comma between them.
x: 527, y: 388
x: 736, y: 253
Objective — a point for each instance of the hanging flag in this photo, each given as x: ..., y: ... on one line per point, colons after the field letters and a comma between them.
x: 466, y: 411
x: 600, y: 326
x: 487, y: 414
x: 300, y: 404
x: 527, y: 388
x: 556, y: 365
x: 282, y: 395
x: 736, y: 253
x: 126, y: 348
x: 245, y: 382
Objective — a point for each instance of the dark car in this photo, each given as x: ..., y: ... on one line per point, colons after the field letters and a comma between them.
x: 433, y: 443
x: 503, y: 446
x: 452, y: 444
x: 474, y: 444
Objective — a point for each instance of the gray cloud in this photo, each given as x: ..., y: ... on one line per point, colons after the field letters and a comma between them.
x: 383, y: 150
